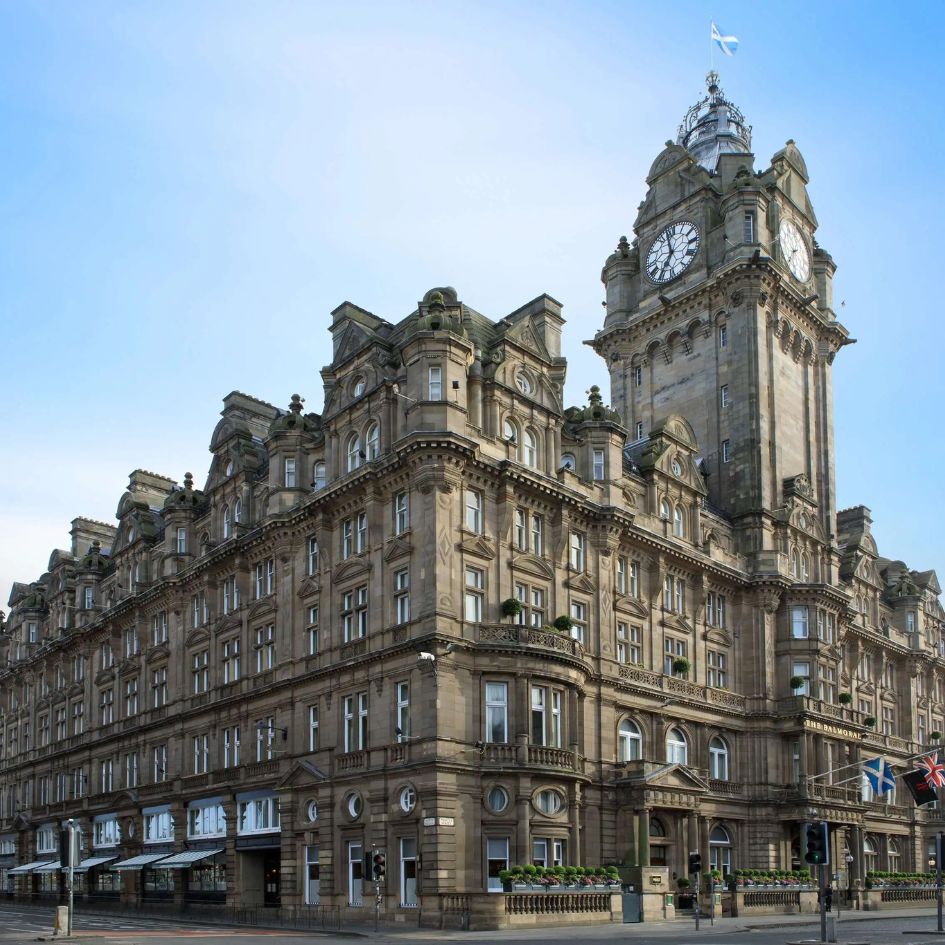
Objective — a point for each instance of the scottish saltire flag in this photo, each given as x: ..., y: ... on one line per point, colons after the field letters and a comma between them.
x: 728, y: 44
x: 932, y: 770
x: 879, y: 774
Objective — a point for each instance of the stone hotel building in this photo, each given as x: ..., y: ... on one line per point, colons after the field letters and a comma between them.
x: 450, y: 618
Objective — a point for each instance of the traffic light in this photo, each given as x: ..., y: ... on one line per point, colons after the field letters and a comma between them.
x: 380, y: 865
x: 815, y: 837
x: 695, y: 863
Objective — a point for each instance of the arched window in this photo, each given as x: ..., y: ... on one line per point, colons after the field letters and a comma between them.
x: 237, y: 510
x: 567, y: 461
x: 677, y: 748
x: 629, y: 741
x: 795, y: 565
x: 318, y: 479
x: 354, y: 452
x: 870, y: 855
x: 805, y: 567
x: 894, y: 856
x: 227, y: 523
x: 531, y: 449
x: 373, y: 441
x: 358, y: 387
x: 718, y: 759
x: 720, y: 850
x: 664, y: 509
x: 658, y: 842
x: 510, y: 435
x: 678, y: 522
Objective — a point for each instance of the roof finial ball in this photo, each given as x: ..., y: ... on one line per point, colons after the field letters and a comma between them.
x: 188, y: 481
x: 296, y: 405
x: 712, y: 82
x: 594, y: 396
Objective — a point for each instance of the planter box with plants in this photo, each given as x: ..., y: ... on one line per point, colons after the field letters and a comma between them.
x: 744, y: 879
x: 530, y: 878
x: 882, y: 879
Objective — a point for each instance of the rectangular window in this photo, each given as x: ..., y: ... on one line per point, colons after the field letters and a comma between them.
x: 130, y: 641
x: 827, y: 683
x: 106, y: 708
x: 158, y: 631
x: 636, y: 645
x: 638, y: 375
x: 265, y: 735
x: 474, y: 511
x: 265, y: 648
x: 131, y: 769
x: 106, y: 770
x: 889, y: 720
x: 205, y: 819
x: 201, y: 753
x: 578, y: 620
x: 723, y: 336
x: 260, y: 815
x: 311, y: 630
x: 673, y: 650
x: 258, y: 581
x: 799, y: 629
x: 717, y: 670
x: 546, y: 717
x: 44, y: 729
x: 801, y: 670
x: 435, y: 386
x: 497, y: 860
x: 289, y: 469
x: 131, y: 697
x: 355, y: 711
x: 106, y: 833
x: 521, y: 529
x: 621, y: 575
x: 726, y: 451
x: 231, y: 747
x: 200, y: 671
x: 78, y: 717
x: 748, y: 229
x: 401, y: 513
x: 403, y: 711
x: 231, y: 595
x: 313, y: 728
x: 621, y: 642
x: 723, y: 395
x: 231, y: 660
x: 475, y: 582
x: 159, y: 687
x: 159, y: 763
x: 401, y: 596
x: 347, y: 538
x: 910, y: 621
x: 312, y: 881
x: 360, y: 536
x: 639, y: 430
x: 270, y: 576
x: 408, y: 873
x: 497, y: 712
x: 355, y: 873
x: 311, y: 558
x: 538, y: 534
x: 181, y: 541
x: 577, y: 551
x: 597, y: 464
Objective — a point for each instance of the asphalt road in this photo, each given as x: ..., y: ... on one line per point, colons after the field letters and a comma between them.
x: 21, y: 926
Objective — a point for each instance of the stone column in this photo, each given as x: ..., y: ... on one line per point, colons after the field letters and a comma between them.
x: 643, y: 837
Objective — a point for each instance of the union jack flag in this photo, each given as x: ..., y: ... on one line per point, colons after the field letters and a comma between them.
x: 932, y: 770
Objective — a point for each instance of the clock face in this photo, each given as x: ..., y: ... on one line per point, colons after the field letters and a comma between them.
x: 671, y: 253
x: 795, y: 250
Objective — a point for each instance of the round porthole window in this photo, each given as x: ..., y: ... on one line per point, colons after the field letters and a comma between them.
x: 354, y: 805
x: 549, y: 802
x: 408, y: 799
x: 523, y: 383
x: 311, y: 811
x: 677, y: 467
x: 498, y: 799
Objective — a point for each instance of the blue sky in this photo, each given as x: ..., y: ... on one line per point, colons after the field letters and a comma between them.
x: 188, y: 189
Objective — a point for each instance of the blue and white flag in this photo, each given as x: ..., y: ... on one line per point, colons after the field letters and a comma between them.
x: 728, y: 44
x: 879, y: 774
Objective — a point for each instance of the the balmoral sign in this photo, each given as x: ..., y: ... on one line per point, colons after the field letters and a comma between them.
x: 829, y: 729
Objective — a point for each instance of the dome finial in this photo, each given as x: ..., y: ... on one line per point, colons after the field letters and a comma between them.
x: 714, y: 126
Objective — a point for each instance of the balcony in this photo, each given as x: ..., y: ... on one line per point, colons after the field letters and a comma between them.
x: 672, y: 686
x: 529, y: 638
x: 351, y: 761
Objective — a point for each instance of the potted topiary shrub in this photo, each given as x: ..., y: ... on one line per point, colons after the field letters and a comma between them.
x: 935, y: 736
x: 511, y: 607
x: 797, y: 682
x: 563, y: 624
x: 870, y: 721
x: 681, y: 665
x: 506, y: 878
x: 845, y: 698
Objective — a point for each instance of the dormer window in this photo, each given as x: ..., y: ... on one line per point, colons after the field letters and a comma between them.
x: 89, y: 598
x: 435, y: 391
x: 358, y: 389
x: 318, y: 480
x: 523, y: 383
x: 598, y: 465
x: 229, y: 468
x: 289, y: 478
x: 181, y: 541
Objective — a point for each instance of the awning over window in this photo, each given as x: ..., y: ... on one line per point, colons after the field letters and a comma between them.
x: 91, y: 861
x: 180, y: 861
x: 138, y: 862
x: 48, y: 868
x: 29, y: 867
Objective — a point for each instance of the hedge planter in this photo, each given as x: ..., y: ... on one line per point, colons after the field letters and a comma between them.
x: 845, y: 698
x: 797, y: 682
x: 681, y: 665
x: 511, y: 607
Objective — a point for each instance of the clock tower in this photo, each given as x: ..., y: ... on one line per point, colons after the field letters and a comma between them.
x: 719, y: 310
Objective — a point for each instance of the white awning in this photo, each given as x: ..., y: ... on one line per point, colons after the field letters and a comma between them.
x: 29, y: 867
x: 87, y: 864
x: 180, y: 861
x: 48, y: 868
x: 138, y: 862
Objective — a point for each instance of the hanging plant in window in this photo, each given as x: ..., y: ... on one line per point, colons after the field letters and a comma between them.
x: 935, y: 736
x: 681, y: 665
x: 511, y: 607
x: 845, y: 698
x: 870, y: 721
x: 797, y: 682
x: 564, y: 624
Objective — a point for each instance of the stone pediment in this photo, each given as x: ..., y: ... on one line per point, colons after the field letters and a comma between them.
x: 351, y: 569
x: 581, y: 583
x: 718, y: 636
x: 230, y: 622
x: 159, y: 652
x: 309, y: 587
x: 303, y: 772
x: 396, y: 548
x: 675, y: 622
x: 532, y: 564
x: 630, y: 605
x: 671, y: 777
x: 261, y: 608
x: 195, y: 637
x: 478, y: 546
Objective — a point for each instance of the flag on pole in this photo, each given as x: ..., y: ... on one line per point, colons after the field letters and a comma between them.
x: 879, y: 774
x: 728, y: 44
x: 932, y: 770
x: 922, y: 791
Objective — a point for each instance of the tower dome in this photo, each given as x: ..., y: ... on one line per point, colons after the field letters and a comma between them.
x: 714, y: 126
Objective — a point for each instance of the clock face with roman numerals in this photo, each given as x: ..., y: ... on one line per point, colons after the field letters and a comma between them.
x: 672, y: 252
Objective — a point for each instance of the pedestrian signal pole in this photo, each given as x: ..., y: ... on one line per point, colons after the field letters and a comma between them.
x: 815, y: 839
x: 695, y: 869
x: 379, y: 869
x: 939, y: 848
